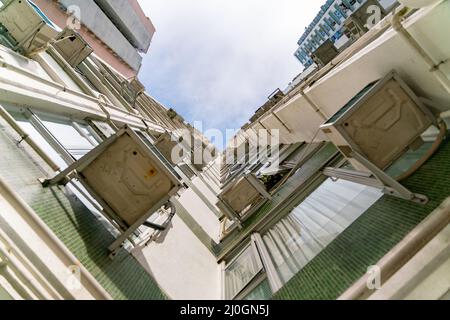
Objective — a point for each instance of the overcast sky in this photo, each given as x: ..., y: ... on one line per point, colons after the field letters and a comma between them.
x: 217, y: 61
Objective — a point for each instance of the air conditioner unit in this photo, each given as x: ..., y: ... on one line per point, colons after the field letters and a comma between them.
x: 240, y: 199
x: 27, y: 24
x: 379, y: 125
x: 126, y: 178
x: 165, y: 144
x: 72, y: 47
x: 325, y: 53
x: 132, y: 89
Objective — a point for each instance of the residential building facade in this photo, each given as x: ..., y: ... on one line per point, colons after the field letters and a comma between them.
x: 118, y: 31
x: 84, y: 151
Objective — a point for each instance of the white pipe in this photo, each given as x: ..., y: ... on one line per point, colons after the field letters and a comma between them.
x: 12, y: 279
x: 404, y: 251
x: 21, y: 274
x: 96, y: 290
x: 435, y: 68
x: 70, y: 71
x: 13, y: 253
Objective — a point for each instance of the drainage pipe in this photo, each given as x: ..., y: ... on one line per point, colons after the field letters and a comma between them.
x: 102, y: 103
x: 393, y: 261
x: 25, y: 137
x: 14, y: 282
x: 159, y: 229
x: 435, y: 68
x: 96, y: 290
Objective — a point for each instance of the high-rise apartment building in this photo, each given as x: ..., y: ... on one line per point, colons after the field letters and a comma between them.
x: 329, y: 26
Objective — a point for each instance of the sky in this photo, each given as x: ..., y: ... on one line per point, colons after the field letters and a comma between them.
x: 217, y: 61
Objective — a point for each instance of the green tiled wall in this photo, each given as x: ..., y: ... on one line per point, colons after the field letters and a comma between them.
x: 373, y: 235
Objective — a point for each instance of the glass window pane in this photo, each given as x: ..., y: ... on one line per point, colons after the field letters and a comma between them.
x: 315, y: 223
x: 261, y: 292
x: 69, y: 138
x: 39, y: 139
x: 241, y: 272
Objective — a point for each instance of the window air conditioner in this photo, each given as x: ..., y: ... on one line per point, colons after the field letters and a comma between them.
x: 27, y: 24
x: 126, y: 178
x: 325, y: 53
x: 377, y: 126
x: 165, y: 144
x: 131, y: 89
x: 72, y: 47
x: 239, y: 200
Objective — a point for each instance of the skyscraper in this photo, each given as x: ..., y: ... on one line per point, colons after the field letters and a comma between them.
x: 329, y: 26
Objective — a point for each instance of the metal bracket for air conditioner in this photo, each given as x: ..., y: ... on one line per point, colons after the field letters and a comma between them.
x: 235, y: 216
x: 72, y: 172
x: 377, y: 178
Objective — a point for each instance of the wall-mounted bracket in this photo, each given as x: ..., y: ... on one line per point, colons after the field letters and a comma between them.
x: 377, y: 179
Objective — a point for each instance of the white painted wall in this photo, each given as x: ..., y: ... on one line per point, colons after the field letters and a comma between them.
x: 387, y: 53
x: 201, y: 213
x: 182, y: 265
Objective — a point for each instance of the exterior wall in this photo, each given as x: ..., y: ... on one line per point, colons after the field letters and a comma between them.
x: 183, y: 261
x: 182, y: 265
x: 373, y: 235
x: 50, y: 271
x: 97, y: 22
x: 82, y: 232
x: 200, y: 212
x: 140, y: 13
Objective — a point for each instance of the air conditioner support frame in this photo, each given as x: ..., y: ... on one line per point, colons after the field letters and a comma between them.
x: 376, y: 178
x: 235, y: 216
x: 72, y: 172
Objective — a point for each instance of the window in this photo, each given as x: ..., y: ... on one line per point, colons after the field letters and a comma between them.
x: 63, y: 140
x: 261, y: 292
x: 241, y: 271
x: 315, y: 223
x: 75, y: 138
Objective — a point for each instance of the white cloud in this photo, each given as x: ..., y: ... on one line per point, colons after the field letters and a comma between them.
x: 218, y: 60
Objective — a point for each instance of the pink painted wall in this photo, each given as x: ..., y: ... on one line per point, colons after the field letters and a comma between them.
x: 54, y: 12
x: 144, y: 19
